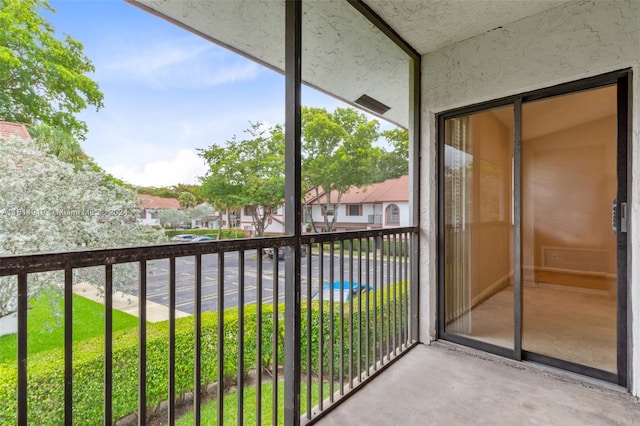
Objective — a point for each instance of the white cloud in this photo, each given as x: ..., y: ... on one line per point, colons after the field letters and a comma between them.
x: 184, y: 62
x: 185, y: 167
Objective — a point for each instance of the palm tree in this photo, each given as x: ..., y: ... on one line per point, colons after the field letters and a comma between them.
x: 187, y: 200
x: 61, y: 144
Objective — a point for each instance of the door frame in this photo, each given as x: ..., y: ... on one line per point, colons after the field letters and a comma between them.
x: 623, y: 80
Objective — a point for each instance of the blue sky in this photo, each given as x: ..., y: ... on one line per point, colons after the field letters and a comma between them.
x: 167, y: 92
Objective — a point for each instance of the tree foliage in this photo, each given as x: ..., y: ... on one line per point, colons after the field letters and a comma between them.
x: 174, y: 191
x: 187, y: 200
x: 47, y: 206
x: 172, y: 217
x: 338, y: 153
x: 247, y: 173
x: 394, y: 162
x: 42, y: 79
x: 61, y: 144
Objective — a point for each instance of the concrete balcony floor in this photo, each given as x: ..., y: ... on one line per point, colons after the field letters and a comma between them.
x: 444, y: 384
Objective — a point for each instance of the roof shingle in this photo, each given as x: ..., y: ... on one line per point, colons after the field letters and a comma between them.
x: 388, y: 191
x: 154, y: 202
x: 14, y: 129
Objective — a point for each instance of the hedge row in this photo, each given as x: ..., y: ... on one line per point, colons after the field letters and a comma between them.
x: 386, y: 247
x: 46, y: 370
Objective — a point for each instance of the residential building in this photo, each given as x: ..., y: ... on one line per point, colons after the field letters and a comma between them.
x: 149, y: 205
x: 379, y: 205
x: 242, y: 218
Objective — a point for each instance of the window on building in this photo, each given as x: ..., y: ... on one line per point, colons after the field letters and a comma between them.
x: 354, y: 209
x: 392, y: 215
x: 248, y: 210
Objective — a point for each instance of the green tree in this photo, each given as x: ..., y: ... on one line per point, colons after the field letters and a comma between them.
x: 174, y: 191
x: 247, y: 173
x: 42, y: 79
x: 47, y: 206
x: 395, y: 162
x: 172, y: 217
x: 338, y: 153
x: 187, y: 200
x: 61, y: 144
x: 222, y: 199
x: 67, y: 149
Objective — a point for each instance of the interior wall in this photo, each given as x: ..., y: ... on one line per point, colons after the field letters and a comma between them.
x: 569, y: 182
x: 574, y: 41
x: 491, y: 236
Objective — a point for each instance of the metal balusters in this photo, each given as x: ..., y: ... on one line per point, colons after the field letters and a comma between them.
x: 352, y: 294
x: 108, y: 344
x: 331, y: 320
x: 320, y: 324
x: 22, y: 349
x: 274, y: 342
x: 309, y: 329
x: 240, y: 337
x: 142, y: 343
x: 220, y: 308
x: 259, y: 339
x: 342, y: 281
x: 388, y: 286
x: 394, y: 267
x: 197, y: 322
x: 172, y: 342
x: 363, y: 293
x: 68, y: 345
x: 368, y: 303
x: 375, y: 304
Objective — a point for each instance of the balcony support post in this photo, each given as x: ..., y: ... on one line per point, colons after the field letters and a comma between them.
x: 293, y: 210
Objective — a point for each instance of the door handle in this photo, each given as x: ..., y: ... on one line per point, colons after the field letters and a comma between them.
x: 622, y: 214
x: 614, y: 216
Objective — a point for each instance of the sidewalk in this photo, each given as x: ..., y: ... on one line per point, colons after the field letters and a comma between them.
x: 126, y: 303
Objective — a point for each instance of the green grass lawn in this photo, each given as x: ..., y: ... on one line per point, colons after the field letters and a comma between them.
x: 45, y: 325
x: 209, y: 410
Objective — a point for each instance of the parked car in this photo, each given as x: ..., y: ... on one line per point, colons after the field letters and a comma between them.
x: 203, y: 239
x: 348, y: 290
x: 182, y: 238
x: 281, y: 252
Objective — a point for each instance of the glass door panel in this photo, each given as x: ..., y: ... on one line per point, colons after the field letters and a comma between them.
x: 478, y: 226
x: 569, y: 182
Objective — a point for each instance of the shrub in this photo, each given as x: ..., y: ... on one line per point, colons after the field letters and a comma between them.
x: 46, y: 370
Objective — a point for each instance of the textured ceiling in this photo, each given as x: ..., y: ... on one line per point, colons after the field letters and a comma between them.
x: 429, y: 25
x: 343, y: 54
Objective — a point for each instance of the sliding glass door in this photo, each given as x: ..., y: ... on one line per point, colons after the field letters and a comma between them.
x: 532, y: 247
x: 478, y: 226
x: 569, y: 182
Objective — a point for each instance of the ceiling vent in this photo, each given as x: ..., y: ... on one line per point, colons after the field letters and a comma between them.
x: 372, y: 104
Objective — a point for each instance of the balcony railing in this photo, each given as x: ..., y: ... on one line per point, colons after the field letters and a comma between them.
x: 219, y: 351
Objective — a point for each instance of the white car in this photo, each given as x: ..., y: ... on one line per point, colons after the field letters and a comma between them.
x: 183, y: 238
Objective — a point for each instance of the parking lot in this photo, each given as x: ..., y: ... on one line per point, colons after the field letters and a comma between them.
x: 158, y: 279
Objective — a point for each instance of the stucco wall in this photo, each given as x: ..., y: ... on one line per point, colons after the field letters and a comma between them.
x: 573, y: 41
